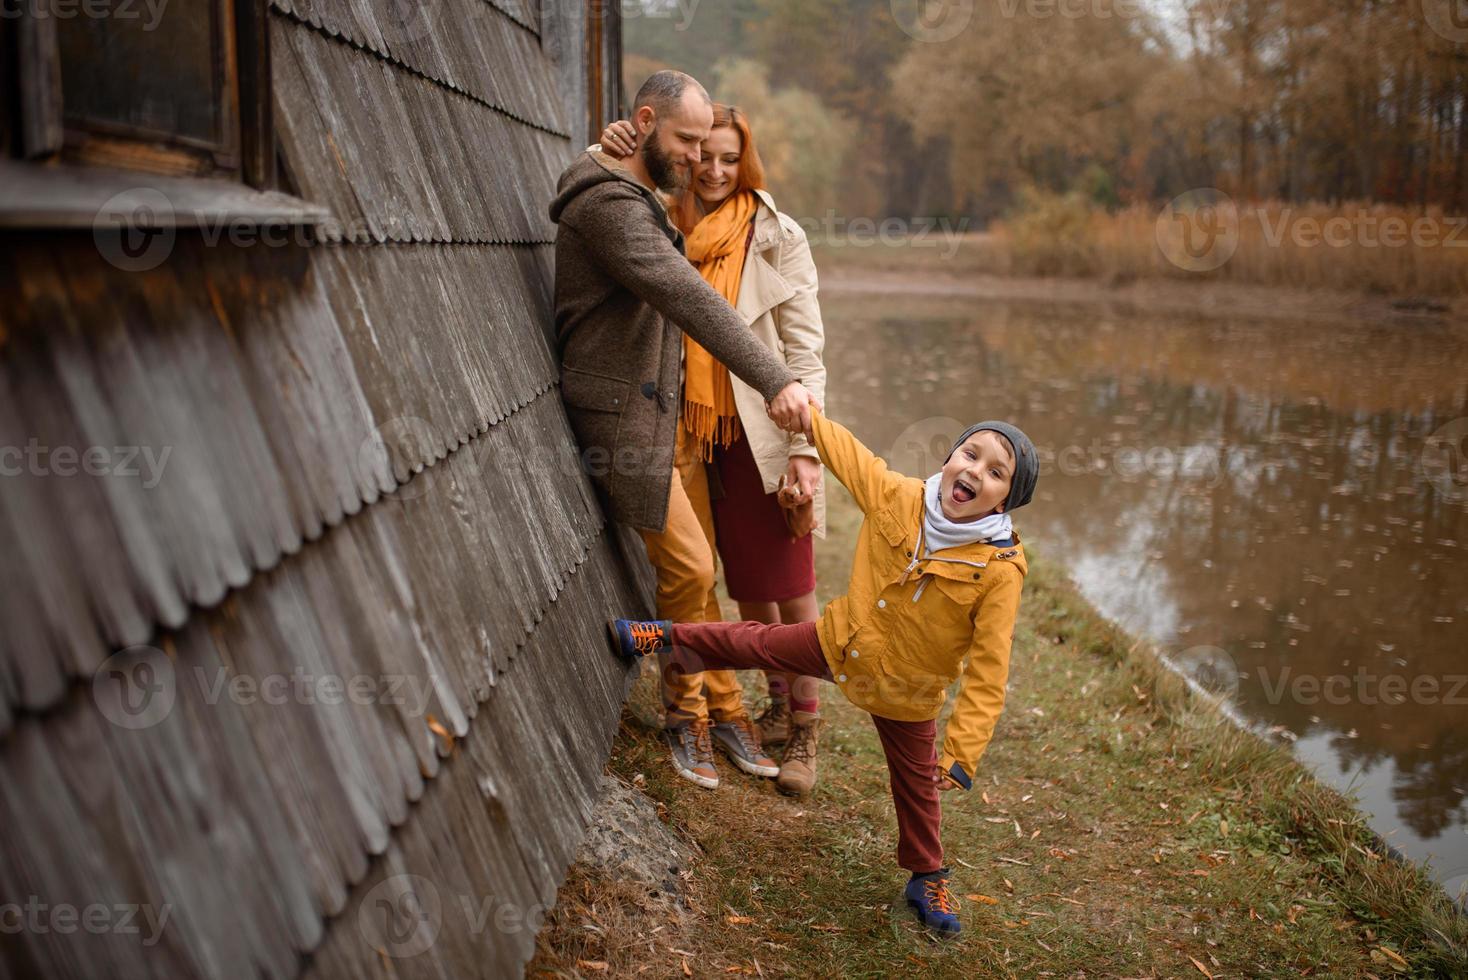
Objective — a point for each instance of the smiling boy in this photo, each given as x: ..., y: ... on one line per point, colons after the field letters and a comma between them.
x: 933, y: 595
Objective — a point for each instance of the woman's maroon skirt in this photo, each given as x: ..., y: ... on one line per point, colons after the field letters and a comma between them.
x: 761, y: 562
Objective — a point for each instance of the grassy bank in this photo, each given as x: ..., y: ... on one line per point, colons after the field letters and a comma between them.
x: 1359, y: 246
x: 1118, y: 827
x: 1357, y: 249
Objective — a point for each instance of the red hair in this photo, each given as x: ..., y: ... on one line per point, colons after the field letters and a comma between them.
x: 750, y: 175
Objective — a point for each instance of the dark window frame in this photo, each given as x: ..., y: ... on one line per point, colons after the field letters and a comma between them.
x: 240, y: 59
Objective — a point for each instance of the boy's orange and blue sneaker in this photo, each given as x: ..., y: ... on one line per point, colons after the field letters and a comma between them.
x: 928, y: 896
x: 635, y: 638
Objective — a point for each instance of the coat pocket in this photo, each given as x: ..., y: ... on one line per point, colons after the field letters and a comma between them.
x: 596, y: 404
x: 594, y: 392
x: 890, y: 526
x: 964, y: 594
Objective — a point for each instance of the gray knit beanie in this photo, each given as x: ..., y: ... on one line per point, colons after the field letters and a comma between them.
x: 1026, y: 461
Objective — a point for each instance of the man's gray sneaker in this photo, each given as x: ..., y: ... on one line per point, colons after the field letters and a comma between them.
x: 740, y: 742
x: 693, y: 753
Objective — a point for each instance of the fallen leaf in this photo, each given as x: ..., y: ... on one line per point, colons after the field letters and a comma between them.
x: 1201, y: 968
x: 982, y: 898
x: 738, y: 920
x: 592, y: 964
x: 436, y: 726
x: 1393, y: 955
x: 686, y: 971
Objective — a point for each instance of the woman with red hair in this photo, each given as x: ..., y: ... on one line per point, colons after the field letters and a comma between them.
x: 767, y: 494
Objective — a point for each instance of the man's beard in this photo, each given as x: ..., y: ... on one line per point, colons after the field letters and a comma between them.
x: 660, y: 165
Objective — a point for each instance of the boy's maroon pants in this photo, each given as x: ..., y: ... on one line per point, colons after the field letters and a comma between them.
x: 912, y: 757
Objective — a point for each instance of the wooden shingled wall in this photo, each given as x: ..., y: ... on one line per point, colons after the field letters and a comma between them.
x: 327, y: 692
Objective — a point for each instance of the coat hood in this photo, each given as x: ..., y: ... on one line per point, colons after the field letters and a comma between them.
x: 591, y: 169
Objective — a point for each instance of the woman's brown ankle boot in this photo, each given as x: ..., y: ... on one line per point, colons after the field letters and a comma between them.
x: 798, y: 769
x: 774, y: 724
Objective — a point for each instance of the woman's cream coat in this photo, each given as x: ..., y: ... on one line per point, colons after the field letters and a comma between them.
x: 777, y: 298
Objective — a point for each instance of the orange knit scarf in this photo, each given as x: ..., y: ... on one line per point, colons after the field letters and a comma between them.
x: 716, y: 247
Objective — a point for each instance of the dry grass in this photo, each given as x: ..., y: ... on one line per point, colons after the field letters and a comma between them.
x: 1362, y: 247
x: 1357, y: 249
x: 1119, y: 827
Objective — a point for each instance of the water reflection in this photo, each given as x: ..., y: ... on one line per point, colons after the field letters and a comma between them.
x: 1257, y: 487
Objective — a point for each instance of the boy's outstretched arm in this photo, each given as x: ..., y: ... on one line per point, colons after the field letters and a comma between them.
x: 981, y: 697
x: 860, y: 470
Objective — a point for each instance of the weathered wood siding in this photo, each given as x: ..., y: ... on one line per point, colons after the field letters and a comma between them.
x: 368, y: 476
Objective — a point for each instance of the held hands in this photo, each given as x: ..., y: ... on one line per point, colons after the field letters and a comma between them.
x: 802, y: 477
x: 790, y: 409
x: 619, y: 139
x: 945, y: 782
x: 797, y: 495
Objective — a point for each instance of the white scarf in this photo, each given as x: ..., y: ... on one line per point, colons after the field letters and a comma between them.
x: 939, y: 532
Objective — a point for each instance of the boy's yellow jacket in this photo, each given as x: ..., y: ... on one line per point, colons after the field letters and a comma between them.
x: 907, y: 627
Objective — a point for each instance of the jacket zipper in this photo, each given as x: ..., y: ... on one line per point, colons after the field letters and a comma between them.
x: 926, y: 577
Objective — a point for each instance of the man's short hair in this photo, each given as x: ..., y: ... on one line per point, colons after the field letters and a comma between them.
x: 664, y: 89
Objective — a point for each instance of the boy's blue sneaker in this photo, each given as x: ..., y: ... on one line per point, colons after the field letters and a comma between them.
x: 638, y: 637
x: 936, y: 908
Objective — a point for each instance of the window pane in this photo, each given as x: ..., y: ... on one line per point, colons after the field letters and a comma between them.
x: 143, y: 73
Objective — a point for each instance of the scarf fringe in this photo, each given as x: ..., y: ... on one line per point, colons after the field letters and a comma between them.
x: 710, y: 428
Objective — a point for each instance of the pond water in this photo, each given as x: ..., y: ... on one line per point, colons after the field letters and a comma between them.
x: 1282, y: 506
